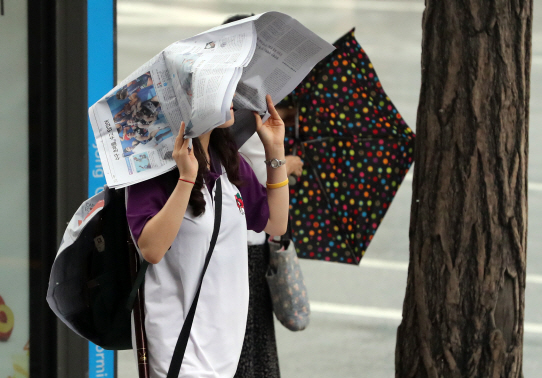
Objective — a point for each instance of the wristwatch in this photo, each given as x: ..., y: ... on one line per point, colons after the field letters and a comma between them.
x: 275, y: 163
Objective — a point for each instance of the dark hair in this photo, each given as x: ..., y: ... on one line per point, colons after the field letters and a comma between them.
x: 223, y: 144
x: 237, y: 17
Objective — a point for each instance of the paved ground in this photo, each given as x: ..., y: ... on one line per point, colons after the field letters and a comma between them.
x: 356, y: 310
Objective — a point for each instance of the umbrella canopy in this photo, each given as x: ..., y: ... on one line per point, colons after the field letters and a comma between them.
x: 356, y: 150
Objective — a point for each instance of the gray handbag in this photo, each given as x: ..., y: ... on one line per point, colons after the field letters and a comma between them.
x: 288, y: 292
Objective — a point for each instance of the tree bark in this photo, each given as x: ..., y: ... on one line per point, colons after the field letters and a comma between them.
x: 464, y: 306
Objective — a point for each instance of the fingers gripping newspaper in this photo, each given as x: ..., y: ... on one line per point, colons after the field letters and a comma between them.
x: 196, y: 80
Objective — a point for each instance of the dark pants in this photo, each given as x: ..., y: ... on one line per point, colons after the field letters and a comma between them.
x: 259, y: 357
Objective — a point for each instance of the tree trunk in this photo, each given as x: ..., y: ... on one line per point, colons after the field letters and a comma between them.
x: 464, y: 305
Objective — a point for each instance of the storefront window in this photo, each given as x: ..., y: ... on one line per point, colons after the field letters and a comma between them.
x: 14, y: 262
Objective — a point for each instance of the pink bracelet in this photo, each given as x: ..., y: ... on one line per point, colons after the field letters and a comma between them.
x: 190, y: 182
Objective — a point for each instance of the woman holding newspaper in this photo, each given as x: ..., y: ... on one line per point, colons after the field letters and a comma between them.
x: 171, y: 219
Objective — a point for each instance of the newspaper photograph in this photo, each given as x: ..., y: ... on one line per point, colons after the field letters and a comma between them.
x: 196, y: 80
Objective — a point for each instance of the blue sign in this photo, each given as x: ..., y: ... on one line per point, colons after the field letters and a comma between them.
x: 101, y: 76
x: 101, y: 362
x: 101, y: 55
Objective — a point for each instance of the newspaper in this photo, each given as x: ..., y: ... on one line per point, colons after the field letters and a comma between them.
x: 196, y: 80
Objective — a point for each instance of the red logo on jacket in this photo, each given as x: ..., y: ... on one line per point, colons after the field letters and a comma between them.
x: 240, y: 204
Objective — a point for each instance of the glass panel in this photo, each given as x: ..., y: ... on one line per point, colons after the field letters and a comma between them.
x: 14, y: 290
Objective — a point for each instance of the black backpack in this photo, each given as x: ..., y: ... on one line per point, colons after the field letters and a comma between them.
x: 93, y: 286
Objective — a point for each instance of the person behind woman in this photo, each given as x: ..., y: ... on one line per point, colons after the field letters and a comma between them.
x: 259, y: 356
x: 171, y: 219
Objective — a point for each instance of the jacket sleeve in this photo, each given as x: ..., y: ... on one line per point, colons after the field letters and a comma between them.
x: 254, y: 198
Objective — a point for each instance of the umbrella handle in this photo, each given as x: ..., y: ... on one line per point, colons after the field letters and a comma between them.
x: 296, y: 122
x: 292, y: 180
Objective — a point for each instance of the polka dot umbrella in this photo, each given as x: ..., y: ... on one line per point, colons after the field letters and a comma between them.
x: 356, y: 150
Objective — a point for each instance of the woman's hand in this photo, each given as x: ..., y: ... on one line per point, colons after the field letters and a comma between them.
x: 272, y: 136
x: 271, y: 133
x: 184, y: 157
x: 294, y: 165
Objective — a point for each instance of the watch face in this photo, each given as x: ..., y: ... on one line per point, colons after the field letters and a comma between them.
x: 274, y: 163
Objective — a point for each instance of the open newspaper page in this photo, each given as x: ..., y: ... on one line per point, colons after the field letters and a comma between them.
x: 206, y: 69
x: 136, y: 123
x: 195, y: 81
x: 285, y: 53
x: 133, y: 135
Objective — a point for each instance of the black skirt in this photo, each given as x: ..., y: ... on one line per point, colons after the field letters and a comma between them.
x: 259, y: 357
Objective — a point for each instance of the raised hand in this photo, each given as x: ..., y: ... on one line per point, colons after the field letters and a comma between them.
x: 184, y: 157
x: 271, y: 132
x: 294, y: 165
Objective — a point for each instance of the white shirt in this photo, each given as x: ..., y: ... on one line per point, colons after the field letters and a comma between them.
x: 218, y: 329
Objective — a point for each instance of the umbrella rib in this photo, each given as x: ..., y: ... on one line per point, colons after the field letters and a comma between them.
x: 297, y: 122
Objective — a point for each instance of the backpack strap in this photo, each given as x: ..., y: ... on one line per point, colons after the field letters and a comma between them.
x: 180, y: 347
x: 137, y: 284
